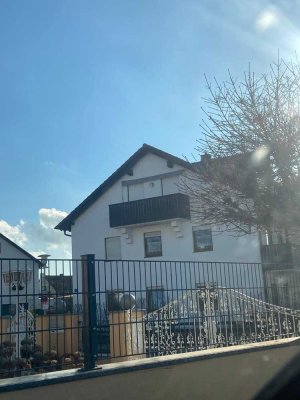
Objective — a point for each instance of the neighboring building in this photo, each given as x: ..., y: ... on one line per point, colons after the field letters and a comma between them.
x: 19, y: 278
x: 277, y: 248
x: 58, y: 290
x: 281, y: 262
x: 56, y: 285
x: 139, y: 213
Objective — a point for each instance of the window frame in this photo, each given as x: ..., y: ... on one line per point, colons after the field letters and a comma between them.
x: 154, y: 254
x: 198, y: 249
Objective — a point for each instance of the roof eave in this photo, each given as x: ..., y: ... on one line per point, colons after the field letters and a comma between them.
x: 21, y: 249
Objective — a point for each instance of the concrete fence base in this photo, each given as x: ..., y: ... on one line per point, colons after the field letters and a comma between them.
x: 234, y: 373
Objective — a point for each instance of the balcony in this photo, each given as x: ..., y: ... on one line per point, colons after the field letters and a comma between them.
x: 153, y: 209
x: 278, y: 254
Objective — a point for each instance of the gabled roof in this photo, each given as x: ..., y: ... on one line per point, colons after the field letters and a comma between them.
x: 66, y: 223
x: 20, y: 249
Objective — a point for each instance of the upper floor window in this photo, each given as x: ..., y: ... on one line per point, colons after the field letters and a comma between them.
x: 202, y: 238
x: 113, y: 248
x: 153, y: 247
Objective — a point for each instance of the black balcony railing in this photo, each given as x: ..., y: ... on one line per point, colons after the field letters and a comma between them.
x: 153, y: 209
x: 278, y: 254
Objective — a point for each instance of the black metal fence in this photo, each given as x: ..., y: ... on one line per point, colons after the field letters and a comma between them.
x: 77, y: 313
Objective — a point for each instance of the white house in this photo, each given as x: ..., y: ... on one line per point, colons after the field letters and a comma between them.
x: 139, y: 213
x: 19, y: 278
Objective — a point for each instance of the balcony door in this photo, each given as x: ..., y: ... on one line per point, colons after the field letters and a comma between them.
x: 145, y: 190
x: 136, y: 191
x: 152, y: 188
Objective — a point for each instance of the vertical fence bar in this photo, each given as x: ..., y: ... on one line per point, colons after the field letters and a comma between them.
x: 89, y: 311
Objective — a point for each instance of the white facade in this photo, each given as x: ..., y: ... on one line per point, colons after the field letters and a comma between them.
x: 19, y: 277
x: 92, y: 227
x: 153, y: 176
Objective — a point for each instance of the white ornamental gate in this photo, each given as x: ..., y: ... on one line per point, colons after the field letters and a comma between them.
x: 21, y: 327
x: 214, y: 316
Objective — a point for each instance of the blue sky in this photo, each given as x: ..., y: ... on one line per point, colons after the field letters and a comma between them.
x: 85, y: 83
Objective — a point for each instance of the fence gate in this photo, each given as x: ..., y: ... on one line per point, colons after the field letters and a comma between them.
x: 214, y: 317
x: 185, y: 324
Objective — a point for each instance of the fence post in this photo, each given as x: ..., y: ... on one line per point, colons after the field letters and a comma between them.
x: 89, y: 334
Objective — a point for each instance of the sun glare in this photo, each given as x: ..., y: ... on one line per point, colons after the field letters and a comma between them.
x: 267, y: 19
x: 260, y: 154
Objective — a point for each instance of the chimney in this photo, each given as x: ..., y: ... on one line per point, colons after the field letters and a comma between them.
x: 205, y: 158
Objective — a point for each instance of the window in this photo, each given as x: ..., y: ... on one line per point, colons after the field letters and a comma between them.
x: 202, y: 238
x: 8, y: 310
x: 155, y: 297
x: 113, y: 248
x: 153, y: 246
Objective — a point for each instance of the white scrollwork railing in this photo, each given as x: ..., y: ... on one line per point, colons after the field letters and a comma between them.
x: 22, y: 327
x: 215, y: 317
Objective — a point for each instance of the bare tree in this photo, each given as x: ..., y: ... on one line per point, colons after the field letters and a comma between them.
x: 248, y: 178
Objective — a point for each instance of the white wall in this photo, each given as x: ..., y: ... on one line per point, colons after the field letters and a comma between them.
x: 225, y: 247
x: 92, y: 227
